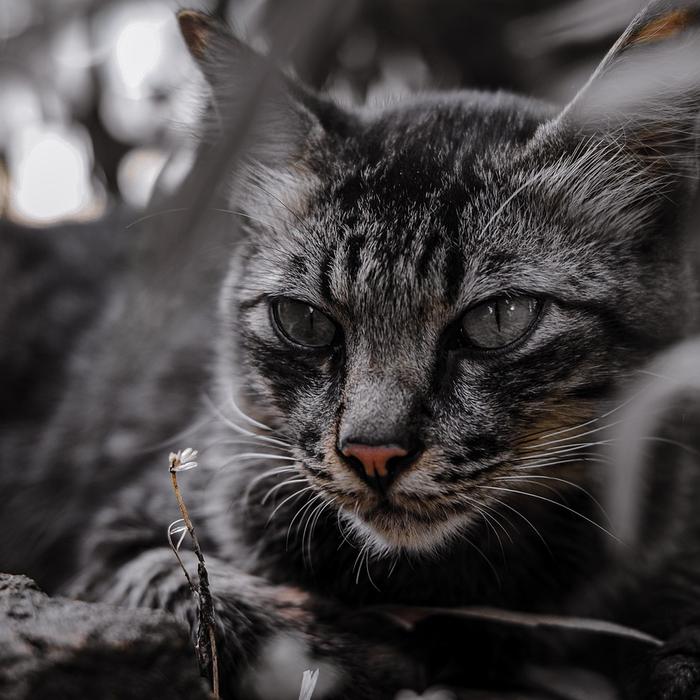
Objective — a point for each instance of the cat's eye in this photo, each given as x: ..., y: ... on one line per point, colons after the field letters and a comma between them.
x: 302, y: 323
x: 500, y: 321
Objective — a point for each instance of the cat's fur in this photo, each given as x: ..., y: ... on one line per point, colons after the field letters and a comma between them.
x: 393, y: 221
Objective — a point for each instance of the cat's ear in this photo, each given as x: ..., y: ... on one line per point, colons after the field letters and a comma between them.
x: 286, y: 119
x: 197, y: 30
x: 646, y: 92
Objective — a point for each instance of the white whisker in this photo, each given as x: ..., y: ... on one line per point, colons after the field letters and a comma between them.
x: 556, y: 503
x: 237, y: 458
x: 597, y: 419
x: 479, y: 506
x: 312, y: 519
x: 484, y: 557
x: 560, y: 450
x: 369, y: 575
x: 265, y: 475
x: 303, y: 509
x: 244, y: 440
x: 296, y: 494
x: 555, y: 458
x: 540, y: 445
x: 243, y: 431
x: 263, y: 455
x: 245, y: 416
x: 570, y: 459
x: 282, y: 484
x: 520, y: 515
x: 578, y: 487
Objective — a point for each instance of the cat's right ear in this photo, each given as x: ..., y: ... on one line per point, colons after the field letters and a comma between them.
x: 224, y: 60
x: 646, y: 91
x: 286, y: 121
x: 197, y: 31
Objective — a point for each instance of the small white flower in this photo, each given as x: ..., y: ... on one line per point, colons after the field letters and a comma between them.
x: 183, y: 460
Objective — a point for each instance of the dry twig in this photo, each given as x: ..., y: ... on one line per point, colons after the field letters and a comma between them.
x: 206, y: 638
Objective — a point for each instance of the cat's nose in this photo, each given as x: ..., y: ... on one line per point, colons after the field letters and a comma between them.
x: 378, y: 464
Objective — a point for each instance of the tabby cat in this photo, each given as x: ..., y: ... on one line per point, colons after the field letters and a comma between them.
x: 426, y: 319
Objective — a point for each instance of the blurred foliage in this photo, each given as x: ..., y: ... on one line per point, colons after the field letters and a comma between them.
x: 99, y: 97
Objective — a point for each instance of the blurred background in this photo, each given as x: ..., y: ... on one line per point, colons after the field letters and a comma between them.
x: 99, y: 99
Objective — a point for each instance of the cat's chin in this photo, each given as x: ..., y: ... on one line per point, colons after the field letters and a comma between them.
x: 385, y: 530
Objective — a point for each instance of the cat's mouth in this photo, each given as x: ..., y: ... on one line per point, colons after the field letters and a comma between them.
x: 397, y: 527
x: 390, y: 523
x: 401, y: 514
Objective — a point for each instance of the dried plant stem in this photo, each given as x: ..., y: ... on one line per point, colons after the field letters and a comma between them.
x: 206, y: 638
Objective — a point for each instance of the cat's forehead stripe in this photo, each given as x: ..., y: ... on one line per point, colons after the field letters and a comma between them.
x: 376, y: 269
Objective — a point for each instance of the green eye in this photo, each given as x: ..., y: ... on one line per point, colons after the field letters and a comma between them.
x: 500, y: 321
x: 302, y: 323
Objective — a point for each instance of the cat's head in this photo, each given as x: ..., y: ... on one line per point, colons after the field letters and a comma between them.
x: 430, y: 296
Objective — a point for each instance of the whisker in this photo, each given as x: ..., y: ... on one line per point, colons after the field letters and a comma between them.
x: 525, y: 479
x: 576, y: 446
x: 265, y: 475
x: 304, y: 225
x: 491, y: 528
x: 356, y: 564
x: 484, y: 557
x: 263, y: 455
x: 244, y: 215
x: 244, y: 440
x: 177, y: 210
x: 244, y: 431
x: 236, y: 459
x: 282, y: 484
x: 556, y: 503
x: 341, y: 529
x: 244, y: 415
x: 555, y: 457
x: 574, y: 485
x: 527, y: 520
x: 369, y: 575
x: 509, y: 199
x: 673, y: 443
x: 296, y: 494
x: 547, y: 434
x: 570, y: 459
x: 600, y: 428
x: 175, y: 438
x: 305, y: 508
x: 312, y: 520
x: 485, y: 514
x: 152, y: 215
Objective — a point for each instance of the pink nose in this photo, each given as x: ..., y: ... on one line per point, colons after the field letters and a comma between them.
x: 374, y: 458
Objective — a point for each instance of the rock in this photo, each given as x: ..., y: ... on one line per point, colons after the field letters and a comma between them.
x: 55, y: 648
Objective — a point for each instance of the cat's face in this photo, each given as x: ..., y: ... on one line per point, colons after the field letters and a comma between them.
x: 454, y: 287
x: 435, y: 303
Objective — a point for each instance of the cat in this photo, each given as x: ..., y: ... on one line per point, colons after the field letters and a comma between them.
x: 423, y: 311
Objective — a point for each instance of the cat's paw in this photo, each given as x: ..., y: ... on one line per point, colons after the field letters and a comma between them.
x: 675, y: 670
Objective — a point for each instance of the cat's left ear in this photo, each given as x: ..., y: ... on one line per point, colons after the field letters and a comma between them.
x: 288, y: 117
x: 646, y: 92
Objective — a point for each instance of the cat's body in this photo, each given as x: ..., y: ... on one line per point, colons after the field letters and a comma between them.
x: 395, y: 227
